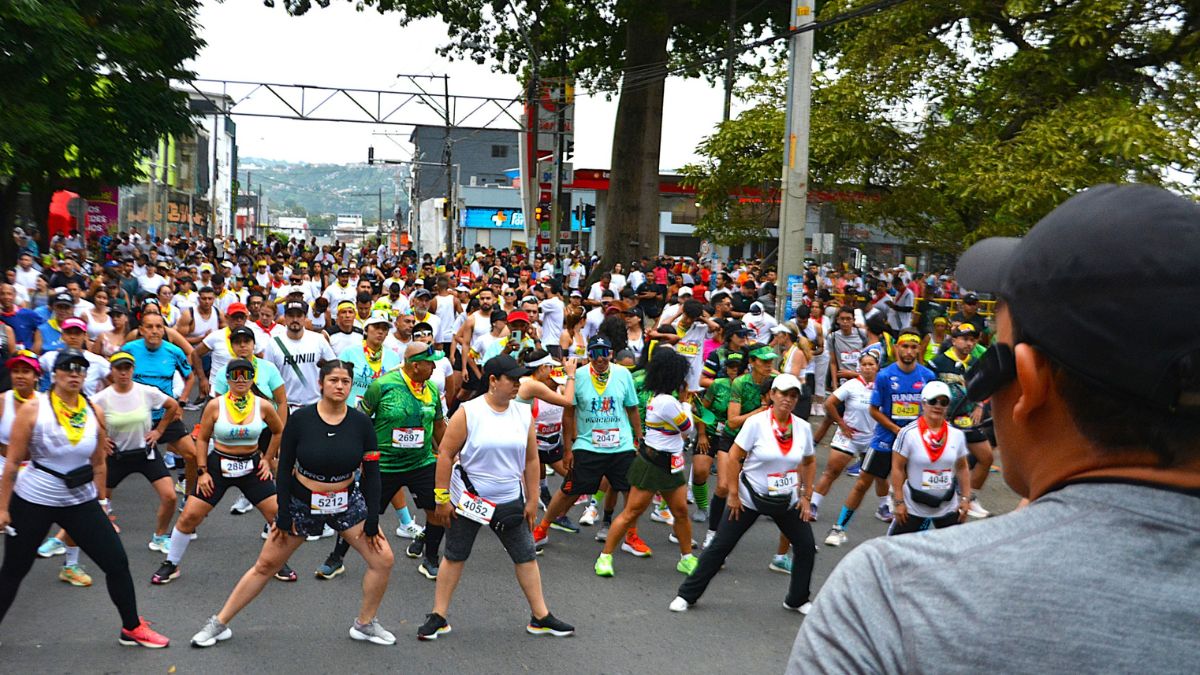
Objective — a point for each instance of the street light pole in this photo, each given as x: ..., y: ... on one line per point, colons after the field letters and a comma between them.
x: 793, y: 203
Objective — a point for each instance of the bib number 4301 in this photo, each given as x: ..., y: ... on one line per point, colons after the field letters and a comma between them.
x: 476, y: 508
x: 782, y: 483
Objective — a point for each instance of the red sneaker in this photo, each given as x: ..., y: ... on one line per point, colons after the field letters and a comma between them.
x: 143, y: 636
x: 634, y: 545
x: 540, y: 535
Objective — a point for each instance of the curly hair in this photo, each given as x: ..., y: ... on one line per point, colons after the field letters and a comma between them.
x: 666, y: 372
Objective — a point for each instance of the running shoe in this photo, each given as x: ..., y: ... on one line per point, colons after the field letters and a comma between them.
x: 143, y: 636
x: 708, y: 537
x: 372, y: 632
x: 167, y: 572
x: 854, y: 469
x: 160, y: 543
x: 327, y: 531
x: 416, y: 548
x: 75, y: 575
x: 51, y: 547
x: 883, y: 513
x: 583, y: 499
x: 266, y: 531
x: 679, y: 605
x: 976, y: 510
x: 675, y: 540
x: 181, y: 487
x: 331, y: 568
x: 604, y: 565
x: 836, y: 537
x: 241, y: 507
x: 590, y: 514
x: 803, y: 609
x: 662, y: 516
x: 213, y: 632
x: 549, y: 625
x: 687, y: 564
x: 428, y: 569
x: 409, y: 531
x: 435, y: 625
x: 564, y: 524
x: 602, y: 533
x: 286, y: 573
x: 700, y: 516
x: 540, y: 536
x: 781, y: 564
x: 634, y: 545
x: 817, y: 410
x: 193, y: 405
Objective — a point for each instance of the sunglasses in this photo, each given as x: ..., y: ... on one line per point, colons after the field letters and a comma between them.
x: 600, y: 352
x: 940, y: 401
x: 74, y: 367
x: 422, y: 333
x: 241, y: 376
x: 995, y: 369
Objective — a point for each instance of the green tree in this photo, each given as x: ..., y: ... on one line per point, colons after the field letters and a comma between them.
x: 972, y: 119
x: 606, y: 45
x: 87, y: 92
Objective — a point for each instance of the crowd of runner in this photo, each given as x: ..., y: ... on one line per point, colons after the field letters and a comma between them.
x: 329, y: 378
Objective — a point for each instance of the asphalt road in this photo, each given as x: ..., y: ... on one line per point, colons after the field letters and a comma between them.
x: 623, y: 625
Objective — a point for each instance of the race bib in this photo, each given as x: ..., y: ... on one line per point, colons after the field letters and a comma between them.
x: 963, y: 421
x: 782, y: 483
x: 408, y: 437
x: 236, y: 468
x: 937, y: 481
x: 677, y: 462
x: 720, y: 427
x: 905, y: 409
x: 688, y: 348
x: 606, y: 438
x: 476, y: 508
x: 849, y: 360
x: 840, y: 441
x: 330, y: 502
x: 548, y: 429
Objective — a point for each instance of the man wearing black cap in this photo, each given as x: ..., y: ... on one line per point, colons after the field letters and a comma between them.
x: 341, y: 289
x: 736, y: 336
x: 969, y: 313
x: 1102, y: 563
x: 49, y: 334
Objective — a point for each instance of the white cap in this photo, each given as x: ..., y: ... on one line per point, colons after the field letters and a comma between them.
x: 783, y: 328
x: 462, y: 289
x: 379, y: 316
x: 934, y: 389
x: 786, y: 382
x: 546, y: 360
x: 685, y: 290
x: 294, y: 289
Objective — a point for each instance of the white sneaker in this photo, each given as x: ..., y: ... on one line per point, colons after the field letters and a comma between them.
x: 708, y: 537
x: 241, y: 506
x: 803, y: 609
x: 675, y: 540
x: 835, y: 537
x: 328, y: 532
x: 590, y: 514
x: 409, y: 531
x: 691, y: 499
x: 817, y: 410
x: 662, y: 517
x: 975, y: 510
x: 679, y: 605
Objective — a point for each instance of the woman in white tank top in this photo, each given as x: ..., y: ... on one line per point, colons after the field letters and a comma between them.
x: 109, y: 343
x: 98, y: 319
x: 487, y: 471
x: 541, y: 391
x: 25, y: 370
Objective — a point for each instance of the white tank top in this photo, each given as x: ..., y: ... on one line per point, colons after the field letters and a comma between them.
x: 202, y: 326
x: 49, y: 447
x: 6, y: 419
x: 548, y: 418
x: 483, y: 326
x: 494, y: 453
x: 444, y: 309
x: 97, y: 328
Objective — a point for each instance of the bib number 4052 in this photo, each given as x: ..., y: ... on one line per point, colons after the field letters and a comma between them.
x: 476, y: 508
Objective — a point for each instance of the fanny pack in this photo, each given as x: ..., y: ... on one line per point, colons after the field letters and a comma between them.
x: 507, y: 515
x: 932, y: 499
x: 768, y: 505
x: 132, y: 453
x: 77, y: 477
x: 660, y: 459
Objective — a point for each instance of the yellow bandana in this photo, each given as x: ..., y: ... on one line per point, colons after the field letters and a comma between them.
x: 72, y: 420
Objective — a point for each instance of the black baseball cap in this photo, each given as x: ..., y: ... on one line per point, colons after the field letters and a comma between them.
x: 1108, y: 248
x: 68, y: 355
x: 343, y: 272
x: 295, y: 306
x: 736, y: 327
x: 64, y: 298
x: 599, y: 342
x: 970, y: 298
x: 239, y: 364
x: 241, y: 332
x: 503, y: 364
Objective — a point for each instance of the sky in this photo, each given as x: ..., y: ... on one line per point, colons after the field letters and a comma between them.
x: 340, y: 47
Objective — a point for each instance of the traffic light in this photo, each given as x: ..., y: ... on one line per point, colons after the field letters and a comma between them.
x: 537, y: 214
x: 541, y: 213
x: 589, y: 215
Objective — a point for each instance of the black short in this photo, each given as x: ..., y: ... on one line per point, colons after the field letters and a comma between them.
x: 724, y: 443
x: 458, y: 361
x: 590, y: 467
x: 175, y: 431
x: 254, y: 488
x: 309, y: 524
x: 876, y: 463
x: 974, y: 435
x: 418, y: 481
x: 119, y: 469
x: 713, y: 439
x: 547, y: 458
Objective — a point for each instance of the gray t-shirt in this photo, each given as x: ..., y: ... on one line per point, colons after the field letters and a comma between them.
x: 1092, y: 578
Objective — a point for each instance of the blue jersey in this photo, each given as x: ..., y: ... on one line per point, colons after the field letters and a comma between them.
x: 157, y: 367
x: 51, y: 336
x: 24, y: 322
x: 897, y: 395
x: 364, y: 374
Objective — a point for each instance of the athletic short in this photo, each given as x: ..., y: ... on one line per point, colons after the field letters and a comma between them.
x: 254, y: 488
x: 975, y: 435
x: 876, y: 463
x: 548, y: 457
x: 713, y: 441
x: 724, y: 443
x: 309, y: 524
x: 457, y: 363
x: 119, y: 469
x: 848, y: 446
x: 175, y: 431
x: 590, y: 467
x: 917, y: 524
x: 517, y: 541
x: 418, y: 481
x: 646, y: 476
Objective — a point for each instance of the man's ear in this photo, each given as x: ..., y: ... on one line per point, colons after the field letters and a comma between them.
x: 1035, y: 376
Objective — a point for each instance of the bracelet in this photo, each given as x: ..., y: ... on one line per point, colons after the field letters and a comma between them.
x: 441, y: 496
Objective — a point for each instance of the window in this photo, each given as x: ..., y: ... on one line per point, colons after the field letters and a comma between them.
x: 499, y: 151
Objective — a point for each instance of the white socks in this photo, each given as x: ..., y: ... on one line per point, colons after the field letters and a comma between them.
x: 179, y: 544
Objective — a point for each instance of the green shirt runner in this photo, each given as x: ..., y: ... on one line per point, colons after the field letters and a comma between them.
x: 403, y: 422
x: 746, y: 392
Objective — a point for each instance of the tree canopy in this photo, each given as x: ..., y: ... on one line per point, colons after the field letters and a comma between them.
x: 975, y: 118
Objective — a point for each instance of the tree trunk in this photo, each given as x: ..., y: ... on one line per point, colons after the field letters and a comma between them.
x: 631, y: 226
x: 8, y: 220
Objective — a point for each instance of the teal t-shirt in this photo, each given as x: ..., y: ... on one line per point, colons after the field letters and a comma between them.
x: 364, y: 375
x: 601, y: 423
x: 266, y: 377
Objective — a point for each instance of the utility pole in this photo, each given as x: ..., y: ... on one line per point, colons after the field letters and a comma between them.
x: 729, y: 44
x: 793, y: 206
x: 451, y: 207
x: 556, y: 200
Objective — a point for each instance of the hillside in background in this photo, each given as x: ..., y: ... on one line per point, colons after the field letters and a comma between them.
x: 312, y: 189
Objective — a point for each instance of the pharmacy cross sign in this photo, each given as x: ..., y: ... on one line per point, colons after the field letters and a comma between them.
x: 499, y: 219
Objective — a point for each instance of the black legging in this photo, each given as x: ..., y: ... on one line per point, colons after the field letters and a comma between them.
x: 89, y: 527
x: 798, y: 532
